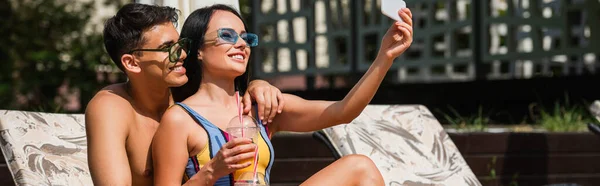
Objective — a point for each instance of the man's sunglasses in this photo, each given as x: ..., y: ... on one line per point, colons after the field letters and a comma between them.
x: 228, y: 35
x: 174, y: 50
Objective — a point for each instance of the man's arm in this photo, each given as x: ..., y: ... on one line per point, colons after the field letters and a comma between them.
x: 267, y: 97
x: 106, y: 128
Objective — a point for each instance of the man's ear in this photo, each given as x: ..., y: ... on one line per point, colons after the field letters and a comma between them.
x: 130, y: 64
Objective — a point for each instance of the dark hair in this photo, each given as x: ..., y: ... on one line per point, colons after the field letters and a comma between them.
x: 195, y: 28
x: 124, y: 31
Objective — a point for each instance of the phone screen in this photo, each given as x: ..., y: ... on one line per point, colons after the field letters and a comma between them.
x: 390, y: 8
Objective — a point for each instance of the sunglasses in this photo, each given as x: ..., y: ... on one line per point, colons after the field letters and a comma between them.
x: 174, y: 50
x: 230, y: 36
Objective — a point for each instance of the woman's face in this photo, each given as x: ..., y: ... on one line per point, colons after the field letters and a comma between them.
x: 219, y: 57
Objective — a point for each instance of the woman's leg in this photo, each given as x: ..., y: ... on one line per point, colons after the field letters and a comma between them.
x: 348, y: 170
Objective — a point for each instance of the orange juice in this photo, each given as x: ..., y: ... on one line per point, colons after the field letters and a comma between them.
x: 246, y: 132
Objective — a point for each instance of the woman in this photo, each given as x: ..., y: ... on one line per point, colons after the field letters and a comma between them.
x: 197, y: 143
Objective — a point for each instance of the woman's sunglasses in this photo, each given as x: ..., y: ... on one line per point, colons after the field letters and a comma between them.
x: 174, y: 50
x: 228, y: 35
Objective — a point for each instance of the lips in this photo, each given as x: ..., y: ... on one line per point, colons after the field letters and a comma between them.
x: 178, y: 69
x: 240, y: 57
x: 237, y: 56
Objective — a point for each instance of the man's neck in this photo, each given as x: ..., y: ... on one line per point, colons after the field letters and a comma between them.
x: 149, y: 99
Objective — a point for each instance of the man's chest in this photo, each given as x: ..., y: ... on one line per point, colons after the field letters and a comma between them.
x: 139, y: 152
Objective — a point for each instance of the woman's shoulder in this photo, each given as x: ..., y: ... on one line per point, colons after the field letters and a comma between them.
x: 176, y: 115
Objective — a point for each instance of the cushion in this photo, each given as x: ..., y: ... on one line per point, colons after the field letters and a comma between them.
x: 45, y: 149
x: 406, y: 142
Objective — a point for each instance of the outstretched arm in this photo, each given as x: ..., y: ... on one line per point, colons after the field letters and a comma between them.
x: 305, y: 115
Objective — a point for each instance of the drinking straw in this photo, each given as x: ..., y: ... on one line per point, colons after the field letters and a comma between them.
x: 239, y: 105
x: 255, y: 161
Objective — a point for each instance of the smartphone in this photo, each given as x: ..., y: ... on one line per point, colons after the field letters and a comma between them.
x: 390, y: 8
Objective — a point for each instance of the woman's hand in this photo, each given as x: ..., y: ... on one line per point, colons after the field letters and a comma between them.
x: 231, y: 154
x: 398, y: 37
x: 301, y: 115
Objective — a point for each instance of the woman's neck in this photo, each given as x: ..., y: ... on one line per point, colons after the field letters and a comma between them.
x: 218, y: 90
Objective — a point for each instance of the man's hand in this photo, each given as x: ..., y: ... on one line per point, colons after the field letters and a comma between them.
x: 268, y: 97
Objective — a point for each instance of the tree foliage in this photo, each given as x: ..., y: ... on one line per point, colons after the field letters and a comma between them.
x: 50, y: 54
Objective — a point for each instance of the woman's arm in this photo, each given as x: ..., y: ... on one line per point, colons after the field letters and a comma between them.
x: 170, y: 152
x: 304, y: 115
x: 170, y: 149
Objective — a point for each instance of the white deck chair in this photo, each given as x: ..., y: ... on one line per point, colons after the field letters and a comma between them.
x: 408, y: 145
x: 44, y: 148
x: 595, y: 109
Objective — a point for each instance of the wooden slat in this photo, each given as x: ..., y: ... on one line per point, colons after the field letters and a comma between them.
x: 2, y: 160
x: 297, y: 170
x: 535, y: 164
x: 584, y: 180
x: 285, y: 184
x: 301, y: 145
x: 5, y: 176
x: 460, y: 140
x: 573, y: 142
x: 524, y: 143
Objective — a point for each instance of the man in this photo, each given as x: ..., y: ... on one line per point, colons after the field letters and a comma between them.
x: 122, y: 118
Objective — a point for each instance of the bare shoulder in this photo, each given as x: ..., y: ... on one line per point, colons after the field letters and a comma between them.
x: 111, y: 96
x: 110, y: 106
x: 115, y: 91
x: 177, y: 118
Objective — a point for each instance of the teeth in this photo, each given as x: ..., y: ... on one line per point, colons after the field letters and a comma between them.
x: 179, y: 68
x: 237, y: 57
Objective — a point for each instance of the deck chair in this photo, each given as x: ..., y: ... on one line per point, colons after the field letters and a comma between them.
x: 406, y: 142
x: 595, y: 109
x: 45, y: 149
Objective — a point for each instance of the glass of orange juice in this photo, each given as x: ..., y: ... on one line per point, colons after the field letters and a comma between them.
x: 246, y: 128
x: 251, y: 179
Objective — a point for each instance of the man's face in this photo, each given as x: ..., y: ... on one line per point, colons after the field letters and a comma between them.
x: 156, y: 65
